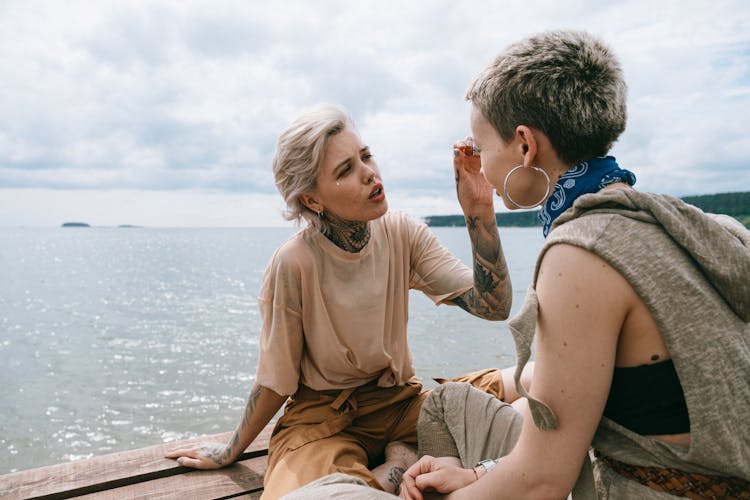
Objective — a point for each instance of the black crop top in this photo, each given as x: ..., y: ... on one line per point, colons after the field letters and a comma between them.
x: 648, y: 400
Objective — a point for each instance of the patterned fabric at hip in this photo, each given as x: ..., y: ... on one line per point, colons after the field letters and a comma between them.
x: 679, y: 483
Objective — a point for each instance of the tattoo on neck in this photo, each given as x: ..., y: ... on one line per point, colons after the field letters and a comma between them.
x: 395, y: 475
x: 348, y: 235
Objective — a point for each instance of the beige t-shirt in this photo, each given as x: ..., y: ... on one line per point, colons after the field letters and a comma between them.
x: 333, y: 319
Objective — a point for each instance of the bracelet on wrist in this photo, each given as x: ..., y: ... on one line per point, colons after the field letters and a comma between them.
x: 486, y: 464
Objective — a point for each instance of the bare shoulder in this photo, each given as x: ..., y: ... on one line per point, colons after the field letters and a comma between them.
x: 573, y: 281
x: 580, y: 266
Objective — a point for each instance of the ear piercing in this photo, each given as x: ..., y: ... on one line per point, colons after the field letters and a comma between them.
x: 512, y: 201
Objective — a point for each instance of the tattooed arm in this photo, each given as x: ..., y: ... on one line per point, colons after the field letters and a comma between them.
x: 491, y: 296
x: 262, y: 405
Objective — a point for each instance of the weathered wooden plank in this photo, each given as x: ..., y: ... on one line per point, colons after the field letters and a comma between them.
x: 238, y: 480
x: 110, y: 471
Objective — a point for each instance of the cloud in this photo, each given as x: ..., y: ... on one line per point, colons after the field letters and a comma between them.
x: 190, y: 96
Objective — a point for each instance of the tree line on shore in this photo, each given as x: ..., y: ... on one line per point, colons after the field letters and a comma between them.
x: 735, y: 204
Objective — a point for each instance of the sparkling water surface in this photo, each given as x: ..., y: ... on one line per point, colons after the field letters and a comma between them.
x: 118, y: 338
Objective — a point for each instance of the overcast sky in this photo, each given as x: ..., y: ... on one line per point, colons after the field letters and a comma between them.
x: 166, y: 113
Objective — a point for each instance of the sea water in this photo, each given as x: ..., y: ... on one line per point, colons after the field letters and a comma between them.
x: 118, y: 338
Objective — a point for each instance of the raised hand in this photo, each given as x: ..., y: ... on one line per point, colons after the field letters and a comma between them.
x: 472, y: 189
x: 491, y: 296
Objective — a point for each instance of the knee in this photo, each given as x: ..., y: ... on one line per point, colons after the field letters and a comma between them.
x: 444, y: 396
x: 449, y: 392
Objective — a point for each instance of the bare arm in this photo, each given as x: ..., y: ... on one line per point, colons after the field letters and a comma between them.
x: 583, y: 303
x: 491, y: 296
x: 262, y: 405
x: 510, y: 394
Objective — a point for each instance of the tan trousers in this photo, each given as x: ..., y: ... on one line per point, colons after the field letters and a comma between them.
x: 346, y: 432
x: 324, y: 432
x: 456, y: 420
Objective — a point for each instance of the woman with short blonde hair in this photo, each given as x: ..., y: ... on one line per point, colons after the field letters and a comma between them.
x: 334, y: 308
x: 299, y: 153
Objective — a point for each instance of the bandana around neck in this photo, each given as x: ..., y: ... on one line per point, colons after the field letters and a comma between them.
x: 586, y: 177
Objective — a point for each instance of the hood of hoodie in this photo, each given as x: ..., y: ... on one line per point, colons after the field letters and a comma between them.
x: 719, y: 244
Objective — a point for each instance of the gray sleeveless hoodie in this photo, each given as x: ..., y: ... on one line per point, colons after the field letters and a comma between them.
x: 692, y: 270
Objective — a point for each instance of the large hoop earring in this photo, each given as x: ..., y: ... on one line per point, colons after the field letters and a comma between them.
x: 507, y: 195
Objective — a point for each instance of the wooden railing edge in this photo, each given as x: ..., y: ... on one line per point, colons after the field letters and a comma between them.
x: 115, y: 470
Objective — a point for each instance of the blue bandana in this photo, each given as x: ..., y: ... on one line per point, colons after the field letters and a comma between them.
x: 586, y: 177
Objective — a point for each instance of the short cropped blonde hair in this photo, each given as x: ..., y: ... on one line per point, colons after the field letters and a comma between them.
x: 299, y: 153
x: 567, y: 84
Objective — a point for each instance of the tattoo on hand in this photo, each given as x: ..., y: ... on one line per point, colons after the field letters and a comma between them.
x: 217, y: 454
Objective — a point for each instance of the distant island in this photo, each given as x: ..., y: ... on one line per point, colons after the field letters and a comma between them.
x: 735, y: 204
x: 86, y: 224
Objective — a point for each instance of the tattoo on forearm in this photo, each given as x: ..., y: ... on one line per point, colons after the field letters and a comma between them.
x: 492, y: 293
x: 485, y: 280
x: 220, y: 455
x: 395, y: 475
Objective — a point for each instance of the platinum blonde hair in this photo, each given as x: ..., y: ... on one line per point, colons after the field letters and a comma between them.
x: 299, y: 153
x: 567, y: 84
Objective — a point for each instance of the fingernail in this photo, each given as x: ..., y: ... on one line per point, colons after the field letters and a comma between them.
x: 179, y: 460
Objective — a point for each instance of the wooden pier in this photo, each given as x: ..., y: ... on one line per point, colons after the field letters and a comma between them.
x: 144, y: 473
